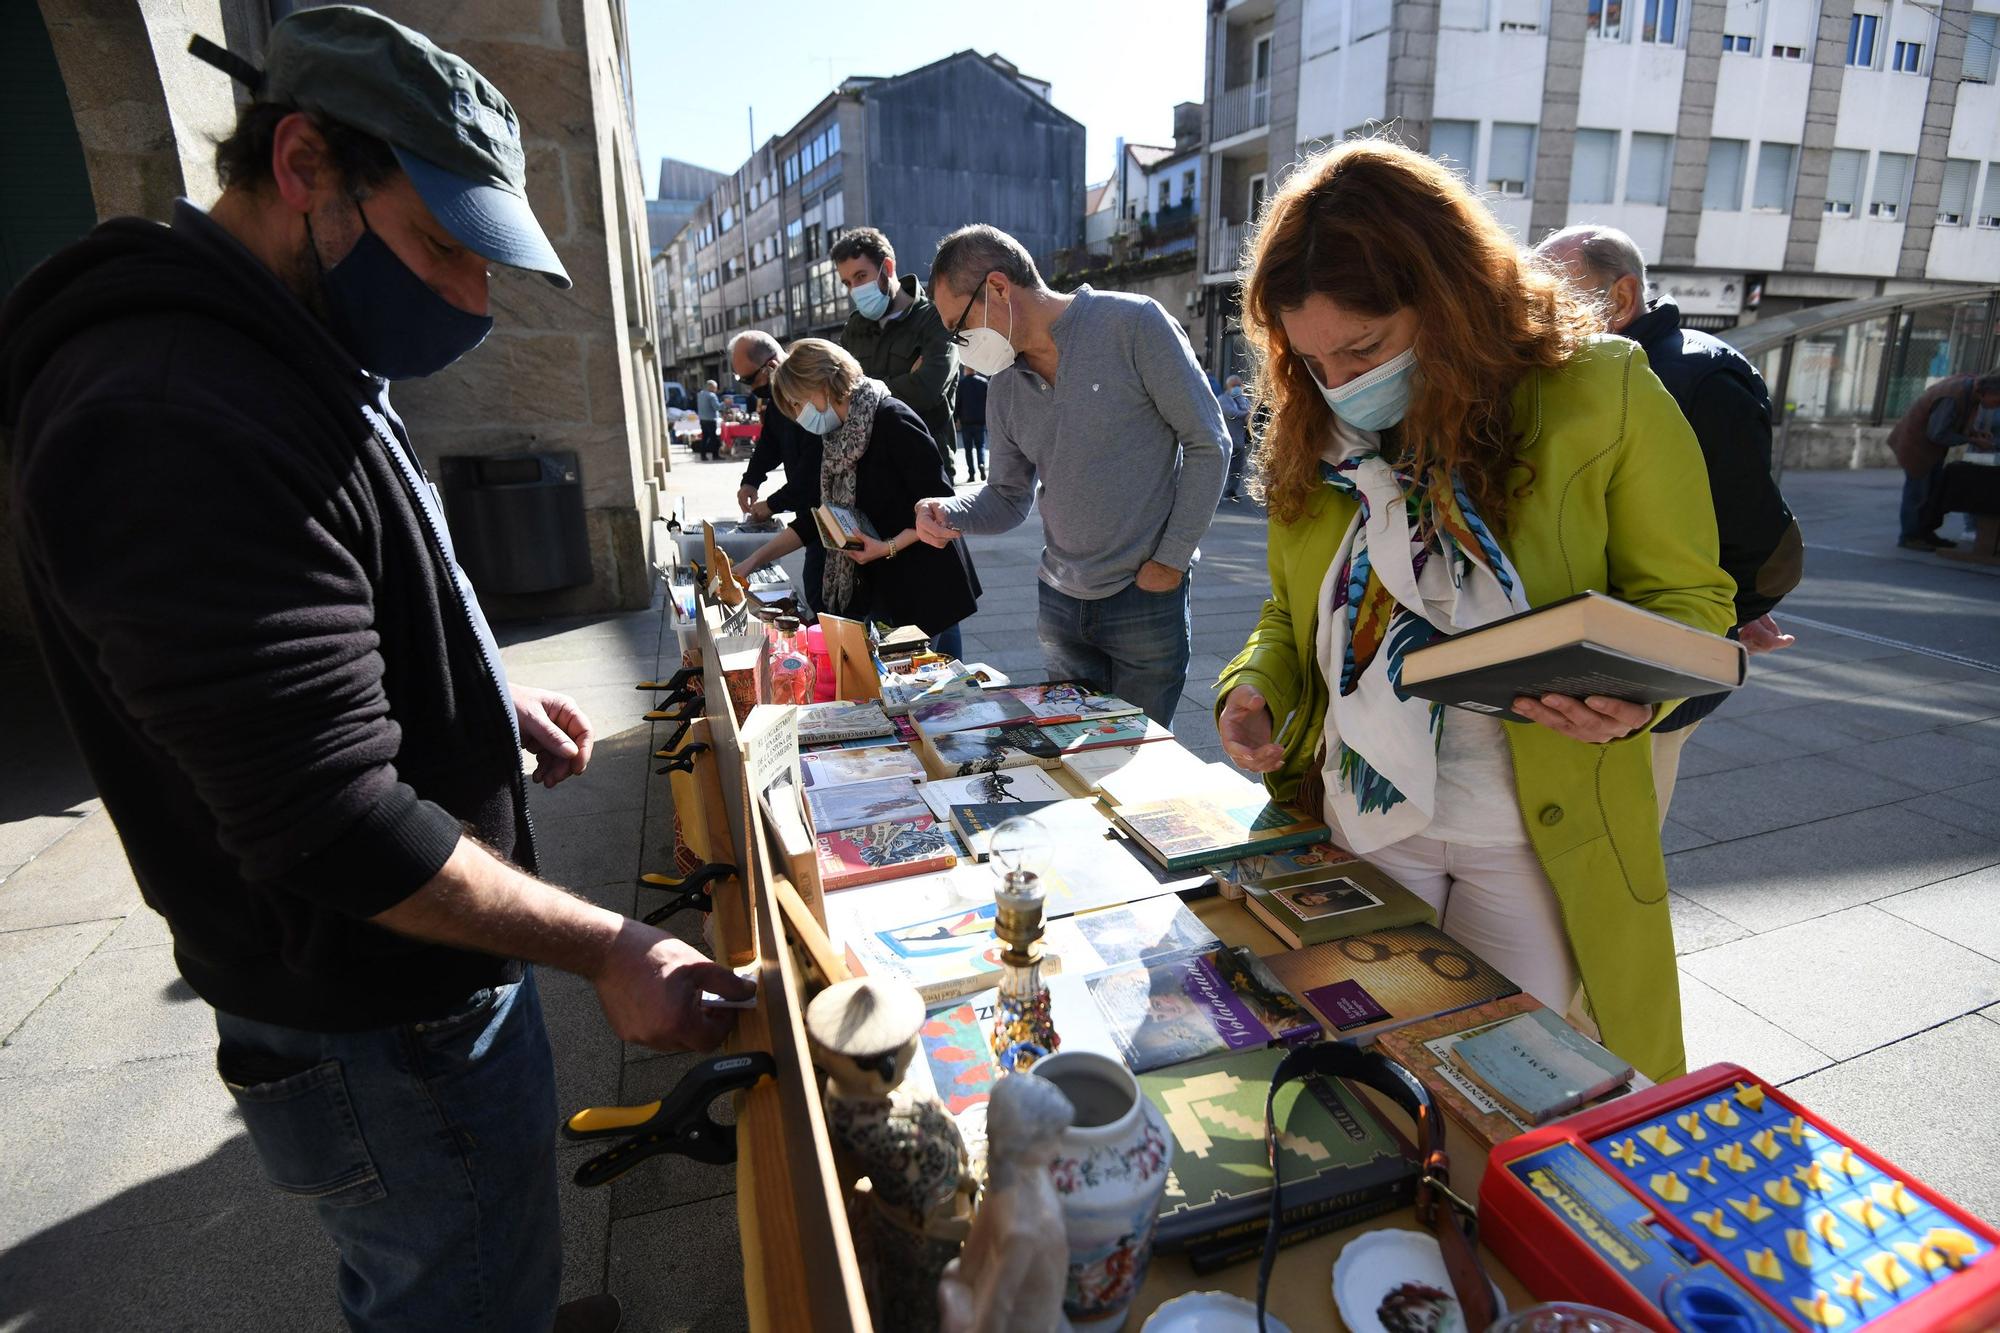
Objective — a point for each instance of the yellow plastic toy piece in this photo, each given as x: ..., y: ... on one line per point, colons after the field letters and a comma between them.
x: 1854, y: 1287
x: 1895, y: 1196
x: 1814, y: 1177
x: 1798, y: 1131
x: 1717, y: 1223
x: 1732, y: 1156
x: 1800, y: 1244
x: 1723, y: 1114
x: 1953, y: 1245
x: 1627, y: 1151
x: 1923, y: 1256
x: 1827, y: 1227
x: 1670, y: 1188
x: 1752, y: 1208
x: 1764, y: 1263
x: 1690, y: 1123
x: 1703, y: 1171
x: 1749, y: 1096
x: 1765, y: 1141
x: 1820, y: 1310
x: 1659, y: 1140
x: 1865, y: 1214
x: 1783, y: 1192
x: 1843, y: 1163
x: 1889, y: 1274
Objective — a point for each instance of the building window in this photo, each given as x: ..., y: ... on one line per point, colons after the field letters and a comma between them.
x: 1907, y: 58
x: 1989, y: 199
x: 1166, y: 197
x: 1736, y: 43
x: 1773, y: 190
x: 1861, y: 31
x: 1255, y: 197
x: 1606, y: 19
x: 1982, y: 46
x: 1955, y: 199
x: 1788, y: 53
x: 1510, y: 160
x: 1454, y: 143
x: 1892, y: 186
x: 1593, y: 167
x: 1660, y: 20
x: 1187, y: 187
x: 1723, y: 191
x: 1843, y: 182
x: 1650, y: 169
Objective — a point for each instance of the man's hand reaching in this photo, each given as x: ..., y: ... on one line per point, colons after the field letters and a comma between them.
x: 555, y: 731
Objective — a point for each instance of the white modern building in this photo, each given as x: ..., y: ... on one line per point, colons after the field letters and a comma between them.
x: 1766, y: 154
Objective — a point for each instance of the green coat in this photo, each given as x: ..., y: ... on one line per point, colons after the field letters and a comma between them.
x: 888, y: 351
x: 1618, y: 502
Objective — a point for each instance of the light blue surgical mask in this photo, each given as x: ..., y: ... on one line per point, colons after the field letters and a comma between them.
x: 870, y: 299
x: 1377, y: 400
x: 818, y: 420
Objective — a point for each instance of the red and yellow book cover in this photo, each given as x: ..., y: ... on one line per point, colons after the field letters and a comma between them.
x: 887, y: 850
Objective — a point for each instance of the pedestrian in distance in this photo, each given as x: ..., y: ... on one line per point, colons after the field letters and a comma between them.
x: 291, y: 702
x: 970, y: 416
x: 1097, y: 413
x: 1235, y: 403
x: 1728, y: 408
x: 895, y: 333
x: 708, y: 411
x: 1943, y: 417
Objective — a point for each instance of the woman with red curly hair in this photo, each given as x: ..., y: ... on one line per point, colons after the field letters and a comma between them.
x: 1449, y: 444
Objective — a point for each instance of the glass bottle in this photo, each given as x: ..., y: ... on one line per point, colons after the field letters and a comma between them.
x: 786, y: 667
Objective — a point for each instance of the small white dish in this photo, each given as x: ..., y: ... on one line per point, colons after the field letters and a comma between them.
x: 1209, y: 1312
x: 1407, y: 1266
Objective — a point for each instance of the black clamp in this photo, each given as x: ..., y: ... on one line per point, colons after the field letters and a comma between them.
x: 680, y: 761
x: 680, y: 1122
x: 689, y: 891
x: 686, y: 681
x: 680, y: 734
x: 689, y: 711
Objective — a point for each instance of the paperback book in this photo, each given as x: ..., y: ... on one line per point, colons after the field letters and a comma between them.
x: 1092, y: 767
x: 1067, y: 701
x: 829, y: 724
x: 1167, y: 770
x: 1582, y: 645
x: 1070, y: 737
x: 1424, y: 1048
x: 1248, y: 870
x: 1364, y: 985
x: 974, y: 824
x: 889, y: 799
x: 999, y: 787
x: 902, y: 691
x: 986, y: 749
x: 869, y: 763
x: 1290, y: 1023
x: 962, y: 712
x: 1338, y: 1158
x: 1168, y: 1012
x: 887, y: 850
x: 1202, y: 828
x: 1539, y: 1066
x: 1315, y: 906
x: 1081, y: 866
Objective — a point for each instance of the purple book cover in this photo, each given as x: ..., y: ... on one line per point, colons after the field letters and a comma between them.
x: 1174, y: 1010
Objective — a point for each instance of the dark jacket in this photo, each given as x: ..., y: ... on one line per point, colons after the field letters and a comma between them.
x: 888, y: 347
x: 971, y: 410
x: 1934, y: 424
x: 920, y: 585
x: 784, y: 443
x: 1725, y: 401
x: 252, y: 626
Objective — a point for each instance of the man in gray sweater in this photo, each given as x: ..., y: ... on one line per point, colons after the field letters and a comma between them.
x: 1096, y: 410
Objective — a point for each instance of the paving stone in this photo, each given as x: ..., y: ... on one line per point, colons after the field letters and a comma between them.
x: 669, y: 1180
x: 587, y: 1053
x: 1824, y: 726
x: 1680, y: 838
x: 582, y: 851
x: 1926, y: 1104
x: 1778, y: 878
x: 117, y: 1007
x: 34, y: 962
x: 586, y: 1226
x: 680, y: 1270
x: 1695, y: 927
x: 1740, y: 746
x: 1716, y: 1028
x: 590, y: 670
x: 620, y: 768
x: 143, y: 929
x: 1874, y: 979
x: 1746, y: 801
x: 1965, y: 910
x: 1927, y: 760
x: 22, y: 840
x: 83, y: 877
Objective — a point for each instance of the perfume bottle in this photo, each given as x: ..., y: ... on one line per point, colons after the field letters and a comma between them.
x: 786, y: 668
x: 1023, y: 1029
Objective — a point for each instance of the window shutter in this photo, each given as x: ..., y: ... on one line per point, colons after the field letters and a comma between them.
x: 1843, y: 181
x: 1593, y: 167
x: 1648, y: 173
x: 1723, y: 191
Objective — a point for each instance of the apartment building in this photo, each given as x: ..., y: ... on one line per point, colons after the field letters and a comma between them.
x: 968, y: 138
x: 1766, y: 154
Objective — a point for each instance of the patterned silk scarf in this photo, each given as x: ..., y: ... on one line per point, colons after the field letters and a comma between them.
x: 1410, y: 569
x: 839, y: 452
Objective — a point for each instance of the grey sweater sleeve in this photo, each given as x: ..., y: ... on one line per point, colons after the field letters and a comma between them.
x: 1005, y: 500
x: 1180, y: 391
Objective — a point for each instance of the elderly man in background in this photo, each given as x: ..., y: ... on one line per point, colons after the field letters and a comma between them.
x: 1235, y: 401
x: 754, y: 358
x: 708, y: 411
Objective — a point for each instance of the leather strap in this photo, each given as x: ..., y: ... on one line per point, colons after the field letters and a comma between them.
x: 1449, y: 1217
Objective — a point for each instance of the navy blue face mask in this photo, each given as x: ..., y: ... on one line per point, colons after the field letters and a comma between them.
x: 388, y: 317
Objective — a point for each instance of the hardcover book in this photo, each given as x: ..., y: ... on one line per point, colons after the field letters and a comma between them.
x: 829, y: 724
x: 1424, y: 1048
x: 974, y: 824
x: 903, y: 690
x: 1202, y: 829
x: 1366, y: 984
x: 1291, y: 861
x: 831, y: 809
x: 1539, y: 1065
x: 985, y: 749
x: 1070, y: 737
x: 1582, y: 645
x: 884, y: 851
x: 841, y: 528
x: 867, y: 763
x: 1067, y: 701
x: 996, y: 788
x: 1315, y: 906
x: 1337, y: 1157
x: 1290, y: 1023
x: 1169, y: 1012
x: 962, y: 712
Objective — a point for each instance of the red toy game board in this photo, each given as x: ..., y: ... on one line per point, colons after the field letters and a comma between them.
x: 1716, y: 1204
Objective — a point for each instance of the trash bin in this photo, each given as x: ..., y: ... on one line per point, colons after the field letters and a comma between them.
x: 517, y: 520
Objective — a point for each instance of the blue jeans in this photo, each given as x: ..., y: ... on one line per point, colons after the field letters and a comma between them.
x: 1916, y: 490
x: 972, y: 439
x: 1134, y: 643
x: 428, y: 1151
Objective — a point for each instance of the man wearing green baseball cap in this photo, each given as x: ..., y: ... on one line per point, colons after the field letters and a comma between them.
x: 282, y: 682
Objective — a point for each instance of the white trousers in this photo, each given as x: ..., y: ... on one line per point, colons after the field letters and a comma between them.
x: 1498, y: 902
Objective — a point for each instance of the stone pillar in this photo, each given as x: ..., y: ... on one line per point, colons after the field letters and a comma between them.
x: 1933, y: 144
x: 1555, y: 144
x: 1282, y: 139
x: 1816, y: 148
x: 1412, y: 82
x: 1689, y: 181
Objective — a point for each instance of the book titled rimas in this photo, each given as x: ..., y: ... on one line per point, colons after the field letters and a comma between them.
x: 1582, y: 645
x: 1539, y: 1065
x: 841, y: 528
x: 1316, y: 906
x: 887, y: 850
x: 1367, y: 984
x: 1206, y: 827
x: 1339, y: 1161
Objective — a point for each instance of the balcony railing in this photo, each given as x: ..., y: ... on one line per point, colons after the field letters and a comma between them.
x: 1225, y: 245
x: 1241, y: 109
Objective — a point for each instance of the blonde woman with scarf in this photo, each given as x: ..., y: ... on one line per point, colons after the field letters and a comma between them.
x: 877, y: 458
x: 1450, y: 444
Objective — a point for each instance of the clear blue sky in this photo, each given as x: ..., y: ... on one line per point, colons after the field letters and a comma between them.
x: 1116, y: 65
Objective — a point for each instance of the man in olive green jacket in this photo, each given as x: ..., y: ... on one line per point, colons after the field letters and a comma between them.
x: 1617, y: 501
x: 896, y: 335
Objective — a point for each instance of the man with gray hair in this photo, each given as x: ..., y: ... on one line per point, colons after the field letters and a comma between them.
x: 1724, y: 400
x: 708, y: 411
x: 754, y: 358
x: 1105, y: 422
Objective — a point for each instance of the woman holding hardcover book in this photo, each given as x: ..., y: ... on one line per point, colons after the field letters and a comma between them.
x: 877, y: 460
x: 1449, y: 445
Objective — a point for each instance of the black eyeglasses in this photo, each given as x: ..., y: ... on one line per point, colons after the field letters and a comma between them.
x: 957, y: 333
